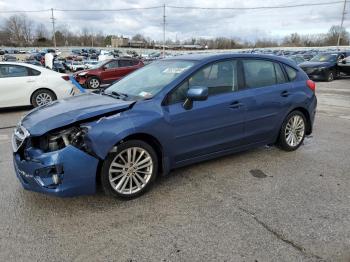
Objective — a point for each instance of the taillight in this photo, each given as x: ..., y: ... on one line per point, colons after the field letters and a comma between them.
x: 65, y: 78
x: 311, y: 84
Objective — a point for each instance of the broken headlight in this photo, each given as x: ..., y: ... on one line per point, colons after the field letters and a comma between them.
x: 54, y: 141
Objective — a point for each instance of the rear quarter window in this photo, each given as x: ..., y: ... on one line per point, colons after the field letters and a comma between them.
x: 34, y: 72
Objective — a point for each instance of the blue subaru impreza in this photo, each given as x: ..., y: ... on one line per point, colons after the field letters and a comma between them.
x: 171, y: 113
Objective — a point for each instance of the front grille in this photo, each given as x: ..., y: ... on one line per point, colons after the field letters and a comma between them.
x: 18, y: 138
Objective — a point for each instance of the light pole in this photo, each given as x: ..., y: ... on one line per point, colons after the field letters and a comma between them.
x: 164, y: 30
x: 53, y: 28
x: 341, y: 25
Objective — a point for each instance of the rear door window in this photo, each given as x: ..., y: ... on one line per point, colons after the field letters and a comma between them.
x: 125, y: 63
x: 280, y: 76
x: 291, y: 72
x: 259, y: 73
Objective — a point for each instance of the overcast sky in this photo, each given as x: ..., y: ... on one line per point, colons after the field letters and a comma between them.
x: 184, y: 24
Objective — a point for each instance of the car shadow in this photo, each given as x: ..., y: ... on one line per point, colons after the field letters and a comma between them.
x: 15, y: 109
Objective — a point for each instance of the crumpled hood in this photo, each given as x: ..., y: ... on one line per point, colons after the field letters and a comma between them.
x: 67, y: 111
x: 314, y: 64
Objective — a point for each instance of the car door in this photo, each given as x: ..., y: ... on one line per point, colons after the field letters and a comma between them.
x: 125, y: 67
x: 268, y: 98
x: 110, y: 71
x: 344, y: 65
x: 209, y: 126
x: 16, y: 84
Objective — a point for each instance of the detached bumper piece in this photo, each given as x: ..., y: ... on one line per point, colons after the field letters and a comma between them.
x: 65, y: 173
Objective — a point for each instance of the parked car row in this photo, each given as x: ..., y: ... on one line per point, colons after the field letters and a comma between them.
x: 81, y: 60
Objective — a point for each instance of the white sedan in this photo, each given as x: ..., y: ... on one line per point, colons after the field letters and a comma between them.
x: 24, y: 84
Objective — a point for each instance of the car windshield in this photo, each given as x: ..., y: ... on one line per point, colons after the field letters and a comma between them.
x: 324, y: 58
x: 149, y: 80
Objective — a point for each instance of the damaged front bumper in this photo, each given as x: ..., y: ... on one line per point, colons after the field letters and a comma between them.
x: 65, y: 173
x: 80, y: 79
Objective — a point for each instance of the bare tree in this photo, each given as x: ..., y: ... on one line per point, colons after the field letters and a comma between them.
x: 13, y: 27
x: 333, y: 33
x: 293, y: 39
x: 27, y: 29
x: 20, y: 29
x: 41, y: 31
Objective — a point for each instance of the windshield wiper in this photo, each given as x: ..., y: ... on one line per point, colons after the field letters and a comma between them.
x: 119, y: 94
x: 114, y: 94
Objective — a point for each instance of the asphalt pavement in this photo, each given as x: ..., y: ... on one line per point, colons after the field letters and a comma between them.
x: 259, y: 205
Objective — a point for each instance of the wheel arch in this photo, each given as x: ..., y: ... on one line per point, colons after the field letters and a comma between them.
x: 152, y: 141
x: 41, y: 88
x: 93, y: 76
x: 307, y: 118
x: 149, y: 139
x: 90, y: 76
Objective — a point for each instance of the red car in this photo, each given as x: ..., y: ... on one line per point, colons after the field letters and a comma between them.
x: 106, y: 72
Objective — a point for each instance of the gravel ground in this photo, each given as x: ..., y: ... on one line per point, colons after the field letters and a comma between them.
x: 259, y: 205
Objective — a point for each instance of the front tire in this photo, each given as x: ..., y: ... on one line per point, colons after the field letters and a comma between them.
x: 42, y: 97
x: 293, y: 131
x: 93, y: 82
x: 330, y: 76
x: 130, y: 171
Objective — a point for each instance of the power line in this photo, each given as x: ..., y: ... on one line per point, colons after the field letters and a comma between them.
x: 175, y: 7
x: 256, y: 7
x: 109, y: 10
x: 24, y: 11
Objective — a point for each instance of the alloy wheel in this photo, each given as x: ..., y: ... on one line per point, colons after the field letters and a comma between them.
x: 330, y: 77
x: 294, y: 131
x: 94, y: 83
x: 130, y: 170
x: 43, y: 99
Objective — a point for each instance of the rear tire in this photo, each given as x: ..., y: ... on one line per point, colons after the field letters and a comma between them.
x: 130, y: 171
x: 93, y: 82
x: 293, y: 131
x: 42, y: 97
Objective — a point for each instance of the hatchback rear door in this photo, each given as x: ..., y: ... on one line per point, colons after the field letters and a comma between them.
x: 268, y: 99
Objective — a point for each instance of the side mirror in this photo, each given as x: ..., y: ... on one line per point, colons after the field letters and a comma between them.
x: 195, y: 93
x: 104, y: 68
x: 343, y: 61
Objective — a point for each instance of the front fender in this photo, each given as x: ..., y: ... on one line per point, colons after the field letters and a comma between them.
x: 104, y: 133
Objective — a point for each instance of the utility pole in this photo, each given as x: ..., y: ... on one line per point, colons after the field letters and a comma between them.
x: 341, y: 25
x: 53, y: 28
x: 163, y: 30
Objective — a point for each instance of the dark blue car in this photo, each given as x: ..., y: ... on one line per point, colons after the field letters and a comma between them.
x: 171, y: 113
x: 325, y: 66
